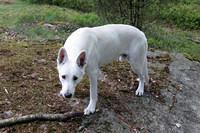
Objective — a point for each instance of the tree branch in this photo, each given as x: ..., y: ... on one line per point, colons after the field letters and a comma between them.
x: 39, y: 117
x: 196, y: 41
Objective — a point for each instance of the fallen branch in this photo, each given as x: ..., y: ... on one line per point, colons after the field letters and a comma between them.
x: 39, y: 117
x: 196, y: 41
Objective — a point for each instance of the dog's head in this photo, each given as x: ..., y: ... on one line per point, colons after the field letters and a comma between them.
x: 70, y: 72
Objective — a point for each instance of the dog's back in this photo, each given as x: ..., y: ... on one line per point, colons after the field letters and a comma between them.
x: 115, y: 40
x: 108, y: 41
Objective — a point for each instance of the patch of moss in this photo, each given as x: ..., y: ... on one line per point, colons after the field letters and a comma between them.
x: 188, y: 56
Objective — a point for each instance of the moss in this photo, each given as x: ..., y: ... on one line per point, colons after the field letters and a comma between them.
x: 188, y: 56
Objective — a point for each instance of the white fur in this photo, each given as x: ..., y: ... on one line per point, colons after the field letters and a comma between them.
x: 102, y: 44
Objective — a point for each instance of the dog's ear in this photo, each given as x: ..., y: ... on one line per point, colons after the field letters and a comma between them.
x: 62, y: 56
x: 81, y: 60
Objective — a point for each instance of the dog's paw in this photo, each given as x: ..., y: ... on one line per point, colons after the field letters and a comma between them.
x: 89, y: 110
x: 139, y: 92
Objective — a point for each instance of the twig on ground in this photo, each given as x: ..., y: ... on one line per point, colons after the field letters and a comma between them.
x: 39, y: 117
x: 196, y: 41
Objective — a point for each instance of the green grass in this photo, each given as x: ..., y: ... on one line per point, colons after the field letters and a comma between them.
x: 28, y: 19
x: 23, y: 12
x: 173, y: 40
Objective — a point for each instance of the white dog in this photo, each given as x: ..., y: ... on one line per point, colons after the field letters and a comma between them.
x: 87, y: 49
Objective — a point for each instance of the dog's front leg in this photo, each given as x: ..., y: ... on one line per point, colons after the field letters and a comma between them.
x: 93, y: 93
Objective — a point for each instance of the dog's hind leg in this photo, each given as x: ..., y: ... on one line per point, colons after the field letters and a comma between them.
x: 140, y: 89
x: 137, y: 58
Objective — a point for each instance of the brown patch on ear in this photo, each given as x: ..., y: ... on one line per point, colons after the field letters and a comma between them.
x: 81, y: 59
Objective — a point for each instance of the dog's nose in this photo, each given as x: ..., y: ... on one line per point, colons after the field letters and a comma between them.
x: 68, y: 95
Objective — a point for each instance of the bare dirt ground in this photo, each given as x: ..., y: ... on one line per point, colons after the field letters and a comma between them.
x: 29, y: 84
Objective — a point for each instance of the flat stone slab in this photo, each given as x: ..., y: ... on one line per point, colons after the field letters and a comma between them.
x: 179, y: 113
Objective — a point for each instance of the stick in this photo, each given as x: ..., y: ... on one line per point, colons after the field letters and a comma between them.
x: 196, y: 41
x: 39, y: 117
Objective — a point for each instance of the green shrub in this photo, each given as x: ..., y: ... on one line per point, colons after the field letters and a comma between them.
x: 82, y: 5
x: 183, y: 15
x: 87, y: 19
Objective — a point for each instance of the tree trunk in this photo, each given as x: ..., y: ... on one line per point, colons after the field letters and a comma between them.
x: 131, y: 12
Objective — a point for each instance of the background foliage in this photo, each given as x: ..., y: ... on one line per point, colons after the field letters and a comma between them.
x: 183, y: 13
x: 82, y: 5
x: 169, y: 25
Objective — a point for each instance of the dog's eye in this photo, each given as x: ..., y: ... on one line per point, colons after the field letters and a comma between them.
x: 75, y: 78
x: 63, y: 76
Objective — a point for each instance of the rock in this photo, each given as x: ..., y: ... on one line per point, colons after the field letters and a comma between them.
x: 19, y: 115
x: 39, y: 60
x: 61, y: 123
x: 181, y: 105
x: 34, y: 75
x: 179, y: 113
x: 178, y: 125
x: 40, y: 79
x: 186, y: 73
x: 44, y: 127
x: 156, y: 53
x: 49, y: 26
x: 106, y: 121
x: 8, y: 113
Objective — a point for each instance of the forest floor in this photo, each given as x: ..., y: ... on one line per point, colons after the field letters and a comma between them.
x: 29, y: 84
